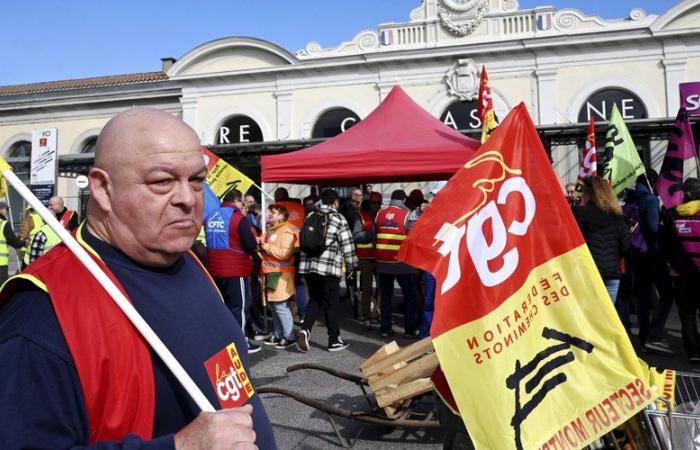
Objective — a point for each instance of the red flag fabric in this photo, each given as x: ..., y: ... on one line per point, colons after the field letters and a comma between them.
x: 588, y: 166
x: 681, y: 146
x: 484, y: 108
x: 485, y: 101
x: 523, y: 323
x: 500, y: 247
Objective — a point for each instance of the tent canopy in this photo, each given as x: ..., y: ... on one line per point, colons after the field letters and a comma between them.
x: 398, y: 141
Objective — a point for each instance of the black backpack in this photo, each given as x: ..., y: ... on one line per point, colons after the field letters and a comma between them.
x: 312, y: 236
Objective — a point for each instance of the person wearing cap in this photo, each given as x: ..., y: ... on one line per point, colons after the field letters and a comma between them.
x: 7, y: 239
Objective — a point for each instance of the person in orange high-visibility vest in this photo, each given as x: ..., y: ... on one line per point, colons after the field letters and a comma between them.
x: 366, y: 254
x: 277, y: 247
x: 392, y: 226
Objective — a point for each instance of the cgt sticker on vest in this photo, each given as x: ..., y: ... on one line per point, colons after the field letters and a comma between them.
x: 228, y: 376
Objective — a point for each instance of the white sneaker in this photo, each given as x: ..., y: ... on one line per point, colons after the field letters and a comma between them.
x: 303, y: 340
x: 338, y: 345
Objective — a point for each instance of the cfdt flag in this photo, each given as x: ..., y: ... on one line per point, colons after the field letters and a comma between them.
x: 484, y: 108
x: 526, y: 334
x: 588, y: 166
x: 622, y: 163
x: 681, y: 146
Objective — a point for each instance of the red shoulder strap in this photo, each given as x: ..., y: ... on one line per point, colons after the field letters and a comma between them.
x: 112, y: 359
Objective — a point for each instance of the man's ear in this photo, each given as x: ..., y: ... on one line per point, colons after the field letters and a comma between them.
x: 101, y: 189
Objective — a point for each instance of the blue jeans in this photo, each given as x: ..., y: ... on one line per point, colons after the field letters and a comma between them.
x: 282, y: 319
x: 428, y: 305
x: 612, y: 285
x: 386, y: 285
x: 300, y: 291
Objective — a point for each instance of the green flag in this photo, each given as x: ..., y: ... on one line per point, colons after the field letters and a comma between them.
x: 622, y: 162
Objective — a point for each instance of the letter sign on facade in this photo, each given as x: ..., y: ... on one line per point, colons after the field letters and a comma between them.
x: 238, y: 130
x: 333, y: 122
x: 461, y: 115
x: 599, y: 106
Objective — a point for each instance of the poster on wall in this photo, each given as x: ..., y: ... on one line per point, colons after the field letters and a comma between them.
x: 44, y: 158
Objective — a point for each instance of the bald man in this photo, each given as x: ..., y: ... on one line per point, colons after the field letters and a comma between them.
x: 67, y: 217
x: 74, y: 371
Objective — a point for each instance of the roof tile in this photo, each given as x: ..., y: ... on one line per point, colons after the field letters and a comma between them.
x: 83, y: 83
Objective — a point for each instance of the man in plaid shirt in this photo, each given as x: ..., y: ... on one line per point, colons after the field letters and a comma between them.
x: 323, y: 274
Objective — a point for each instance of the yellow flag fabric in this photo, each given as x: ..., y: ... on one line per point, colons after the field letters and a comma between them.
x: 3, y: 187
x: 622, y: 161
x: 664, y: 380
x: 529, y: 341
x: 489, y: 125
x: 222, y: 177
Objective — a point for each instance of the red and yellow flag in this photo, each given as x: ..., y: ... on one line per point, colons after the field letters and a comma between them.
x: 484, y: 108
x: 526, y: 334
x: 588, y: 166
x: 222, y: 176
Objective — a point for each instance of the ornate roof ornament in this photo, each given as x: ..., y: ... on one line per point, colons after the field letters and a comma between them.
x: 453, y: 12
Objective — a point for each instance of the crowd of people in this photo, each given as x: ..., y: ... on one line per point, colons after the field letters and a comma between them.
x: 312, y: 254
x: 645, y: 252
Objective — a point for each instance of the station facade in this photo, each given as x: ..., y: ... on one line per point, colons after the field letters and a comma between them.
x: 564, y: 65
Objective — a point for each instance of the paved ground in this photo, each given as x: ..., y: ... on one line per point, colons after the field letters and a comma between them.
x: 298, y: 426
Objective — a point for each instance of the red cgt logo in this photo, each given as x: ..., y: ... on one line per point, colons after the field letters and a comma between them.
x: 229, y: 378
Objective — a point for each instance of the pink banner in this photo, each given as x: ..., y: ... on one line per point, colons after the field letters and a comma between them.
x: 680, y: 148
x: 690, y: 92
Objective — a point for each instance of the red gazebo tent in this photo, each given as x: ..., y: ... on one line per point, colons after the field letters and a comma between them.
x: 398, y: 141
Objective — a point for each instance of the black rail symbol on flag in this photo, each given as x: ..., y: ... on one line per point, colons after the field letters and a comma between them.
x: 229, y: 187
x: 542, y: 365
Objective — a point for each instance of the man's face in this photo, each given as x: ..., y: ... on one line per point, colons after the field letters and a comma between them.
x: 570, y: 191
x: 308, y: 206
x: 356, y: 197
x: 249, y: 202
x: 274, y: 216
x: 55, y: 205
x: 157, y: 203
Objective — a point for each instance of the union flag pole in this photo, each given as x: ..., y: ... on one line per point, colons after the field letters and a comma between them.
x: 122, y: 302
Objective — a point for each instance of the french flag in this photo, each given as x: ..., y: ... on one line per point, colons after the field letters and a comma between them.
x: 386, y: 37
x: 544, y: 22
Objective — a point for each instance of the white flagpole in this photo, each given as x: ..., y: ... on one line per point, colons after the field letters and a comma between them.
x: 121, y: 301
x: 265, y: 194
x: 263, y: 201
x: 9, y: 219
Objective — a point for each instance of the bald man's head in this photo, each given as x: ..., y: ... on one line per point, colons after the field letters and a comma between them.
x: 132, y: 132
x: 146, y: 186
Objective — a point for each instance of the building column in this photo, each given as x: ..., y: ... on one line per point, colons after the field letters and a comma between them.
x: 284, y: 114
x: 546, y: 96
x: 189, y: 112
x: 674, y: 75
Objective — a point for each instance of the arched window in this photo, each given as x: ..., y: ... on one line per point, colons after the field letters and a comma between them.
x: 89, y: 145
x: 20, y: 149
x: 238, y: 129
x: 600, y: 105
x: 333, y: 122
x: 461, y: 115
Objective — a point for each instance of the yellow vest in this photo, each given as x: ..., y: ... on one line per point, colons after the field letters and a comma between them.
x: 52, y: 238
x: 4, y: 255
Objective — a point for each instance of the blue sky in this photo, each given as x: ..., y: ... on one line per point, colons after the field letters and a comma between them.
x: 55, y: 40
